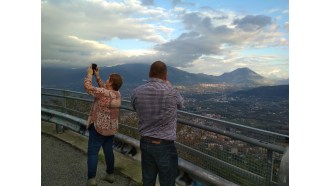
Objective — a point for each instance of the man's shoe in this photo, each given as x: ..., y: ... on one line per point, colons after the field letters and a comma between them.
x: 109, y: 178
x: 91, y: 182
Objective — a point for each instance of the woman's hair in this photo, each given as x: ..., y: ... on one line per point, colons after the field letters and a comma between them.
x: 116, y: 80
x: 158, y: 69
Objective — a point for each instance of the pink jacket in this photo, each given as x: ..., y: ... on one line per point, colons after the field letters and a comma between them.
x: 105, y: 108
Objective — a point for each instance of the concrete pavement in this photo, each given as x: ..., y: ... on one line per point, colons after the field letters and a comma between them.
x: 64, y: 161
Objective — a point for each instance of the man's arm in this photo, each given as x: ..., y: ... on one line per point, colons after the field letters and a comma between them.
x: 133, y: 98
x: 179, y: 100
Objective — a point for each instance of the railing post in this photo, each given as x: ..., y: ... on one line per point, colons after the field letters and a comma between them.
x: 269, y: 167
x: 60, y: 128
x: 283, y: 176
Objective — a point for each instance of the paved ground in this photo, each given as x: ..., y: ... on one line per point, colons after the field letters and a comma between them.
x: 64, y: 165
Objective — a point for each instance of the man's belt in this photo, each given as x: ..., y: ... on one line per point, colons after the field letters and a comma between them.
x: 155, y: 140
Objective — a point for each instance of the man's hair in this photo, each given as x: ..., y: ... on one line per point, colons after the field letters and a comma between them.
x: 158, y: 69
x: 117, y: 81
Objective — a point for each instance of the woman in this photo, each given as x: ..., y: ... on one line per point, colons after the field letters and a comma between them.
x: 102, y: 122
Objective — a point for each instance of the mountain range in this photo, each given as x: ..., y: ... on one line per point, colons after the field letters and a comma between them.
x: 137, y: 74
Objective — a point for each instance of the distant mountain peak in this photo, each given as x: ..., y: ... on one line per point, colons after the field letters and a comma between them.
x: 242, y: 76
x: 244, y: 71
x: 243, y: 68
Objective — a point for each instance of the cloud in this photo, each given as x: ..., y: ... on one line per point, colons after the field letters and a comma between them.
x: 78, y: 33
x: 177, y: 2
x: 252, y: 23
x: 74, y: 51
x: 206, y: 37
x: 286, y: 25
x: 148, y: 2
x: 217, y: 65
x: 75, y: 33
x: 99, y: 20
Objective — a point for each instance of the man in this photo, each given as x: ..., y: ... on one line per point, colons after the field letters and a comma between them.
x: 156, y: 104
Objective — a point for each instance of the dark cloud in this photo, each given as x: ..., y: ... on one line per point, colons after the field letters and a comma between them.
x: 190, y: 20
x: 176, y: 2
x: 203, y: 39
x: 223, y: 29
x: 148, y: 2
x: 251, y: 23
x: 286, y: 25
x: 206, y: 36
x: 186, y: 48
x: 203, y: 24
x: 194, y: 21
x: 221, y: 17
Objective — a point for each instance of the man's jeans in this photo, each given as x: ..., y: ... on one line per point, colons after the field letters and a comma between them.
x: 95, y: 141
x: 158, y: 158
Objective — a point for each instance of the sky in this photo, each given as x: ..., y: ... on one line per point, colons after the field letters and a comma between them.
x: 209, y: 36
x: 23, y: 53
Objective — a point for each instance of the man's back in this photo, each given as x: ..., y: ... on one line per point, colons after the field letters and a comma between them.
x: 156, y: 104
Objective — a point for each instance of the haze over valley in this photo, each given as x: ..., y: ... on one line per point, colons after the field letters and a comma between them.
x: 241, y: 96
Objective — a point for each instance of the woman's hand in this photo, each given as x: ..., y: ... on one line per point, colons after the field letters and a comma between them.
x: 96, y: 72
x: 90, y: 70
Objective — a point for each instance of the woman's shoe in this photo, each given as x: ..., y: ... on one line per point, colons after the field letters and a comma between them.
x: 91, y: 182
x: 109, y: 177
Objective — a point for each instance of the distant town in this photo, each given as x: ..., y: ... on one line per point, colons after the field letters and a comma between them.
x: 264, y: 111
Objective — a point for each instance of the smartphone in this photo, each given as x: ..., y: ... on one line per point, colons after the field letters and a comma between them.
x: 94, y: 67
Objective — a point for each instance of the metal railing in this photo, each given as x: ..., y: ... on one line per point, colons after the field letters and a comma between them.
x: 227, y: 151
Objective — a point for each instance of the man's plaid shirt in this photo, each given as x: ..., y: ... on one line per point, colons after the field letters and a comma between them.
x: 156, y: 104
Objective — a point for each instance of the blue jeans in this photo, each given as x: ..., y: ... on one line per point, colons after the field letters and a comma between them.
x: 95, y: 141
x: 159, y: 159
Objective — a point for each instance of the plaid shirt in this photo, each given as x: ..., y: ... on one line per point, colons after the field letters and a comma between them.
x: 156, y: 104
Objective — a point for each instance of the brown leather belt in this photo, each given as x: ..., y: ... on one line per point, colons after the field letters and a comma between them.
x: 155, y: 140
